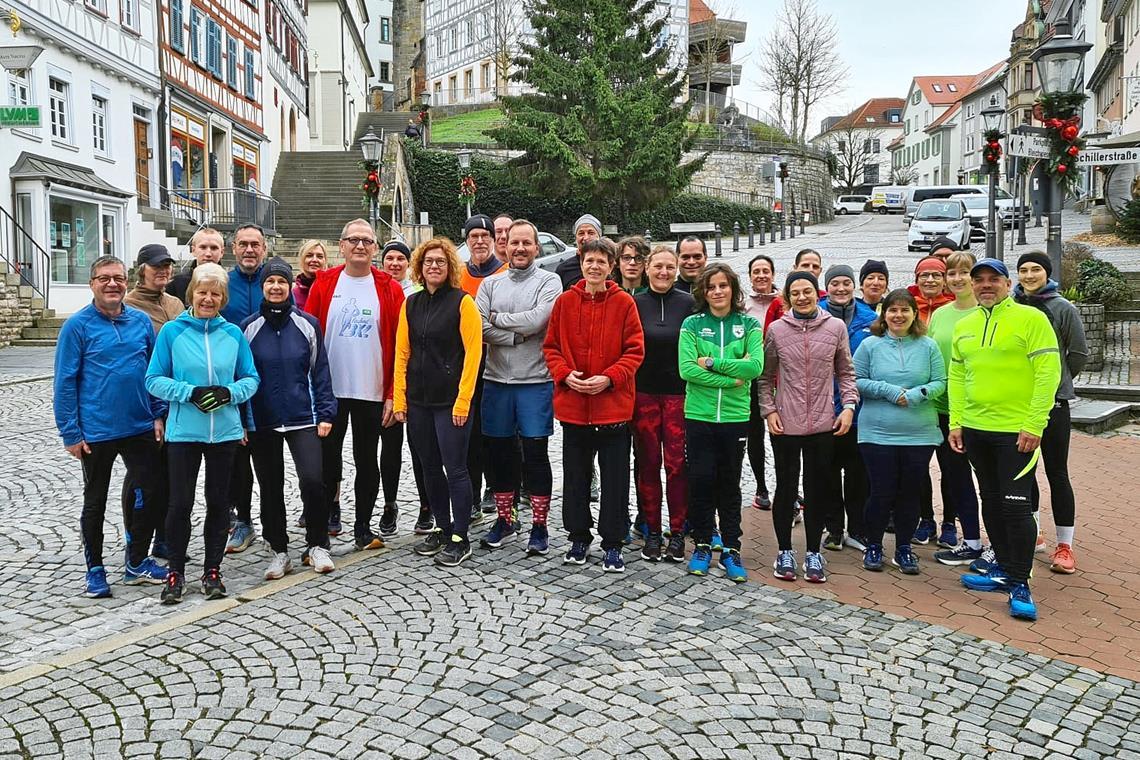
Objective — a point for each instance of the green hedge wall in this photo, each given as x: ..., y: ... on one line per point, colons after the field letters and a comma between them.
x: 435, y: 187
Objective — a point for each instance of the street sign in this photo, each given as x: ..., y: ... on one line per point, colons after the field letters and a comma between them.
x: 20, y: 116
x: 1108, y: 156
x: 17, y: 57
x: 1027, y: 146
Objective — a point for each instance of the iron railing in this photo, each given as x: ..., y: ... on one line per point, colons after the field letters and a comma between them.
x: 24, y: 255
x: 763, y: 200
x: 221, y: 207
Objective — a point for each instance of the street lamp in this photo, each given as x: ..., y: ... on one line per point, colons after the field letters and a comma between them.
x: 464, y: 156
x: 1060, y: 70
x: 373, y: 149
x: 992, y: 122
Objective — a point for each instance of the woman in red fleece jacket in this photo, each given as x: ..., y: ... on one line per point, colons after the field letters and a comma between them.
x: 593, y: 347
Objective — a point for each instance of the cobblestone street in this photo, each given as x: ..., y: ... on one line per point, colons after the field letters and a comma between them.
x: 509, y: 656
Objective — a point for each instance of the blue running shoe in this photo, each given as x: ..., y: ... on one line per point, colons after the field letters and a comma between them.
x: 577, y: 553
x: 732, y: 566
x: 147, y: 571
x: 97, y: 586
x: 948, y: 538
x: 539, y: 542
x: 813, y: 568
x: 240, y: 537
x: 959, y: 555
x: 873, y: 557
x: 905, y: 560
x: 985, y: 562
x: 927, y: 530
x: 641, y: 529
x: 784, y: 567
x: 1021, y: 604
x: 499, y: 533
x: 700, y: 560
x: 716, y: 544
x: 612, y: 562
x: 993, y: 580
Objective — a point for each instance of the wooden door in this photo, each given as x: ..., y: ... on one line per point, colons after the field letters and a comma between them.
x: 142, y: 162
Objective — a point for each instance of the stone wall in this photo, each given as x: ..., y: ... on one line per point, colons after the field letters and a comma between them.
x: 16, y: 311
x: 1092, y: 317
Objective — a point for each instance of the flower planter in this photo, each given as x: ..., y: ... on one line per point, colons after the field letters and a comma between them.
x: 1092, y: 318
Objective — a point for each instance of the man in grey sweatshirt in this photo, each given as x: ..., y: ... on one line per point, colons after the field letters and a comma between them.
x: 518, y: 393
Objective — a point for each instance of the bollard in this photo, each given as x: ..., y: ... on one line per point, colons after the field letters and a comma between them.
x: 783, y: 232
x: 752, y: 235
x: 792, y: 222
x: 736, y: 237
x: 648, y: 236
x: 802, y: 220
x: 718, y: 233
x: 761, y: 232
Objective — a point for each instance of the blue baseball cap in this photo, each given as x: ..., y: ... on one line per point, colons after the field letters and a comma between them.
x: 995, y: 264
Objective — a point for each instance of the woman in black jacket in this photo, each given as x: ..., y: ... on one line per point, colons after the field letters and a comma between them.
x: 294, y: 405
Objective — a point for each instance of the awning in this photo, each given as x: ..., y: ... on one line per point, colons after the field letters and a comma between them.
x: 31, y: 166
x: 1120, y: 141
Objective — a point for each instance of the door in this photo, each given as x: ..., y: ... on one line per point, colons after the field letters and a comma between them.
x: 142, y: 162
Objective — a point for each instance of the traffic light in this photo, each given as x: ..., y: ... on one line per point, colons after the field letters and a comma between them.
x: 783, y: 170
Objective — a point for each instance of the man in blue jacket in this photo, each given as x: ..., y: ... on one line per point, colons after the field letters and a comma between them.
x: 103, y: 411
x: 248, y: 247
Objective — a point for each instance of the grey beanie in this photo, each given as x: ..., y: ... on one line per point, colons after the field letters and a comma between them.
x: 277, y: 266
x: 589, y: 219
x: 838, y: 270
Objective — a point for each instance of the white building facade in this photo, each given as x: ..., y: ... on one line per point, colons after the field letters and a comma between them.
x: 285, y: 59
x: 339, y: 71
x: 989, y: 94
x: 929, y: 102
x: 378, y: 41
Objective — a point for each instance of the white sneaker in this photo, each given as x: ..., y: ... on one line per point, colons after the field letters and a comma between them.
x: 278, y: 567
x: 321, y: 560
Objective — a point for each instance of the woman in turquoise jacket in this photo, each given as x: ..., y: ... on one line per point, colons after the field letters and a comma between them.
x: 203, y: 366
x: 899, y: 373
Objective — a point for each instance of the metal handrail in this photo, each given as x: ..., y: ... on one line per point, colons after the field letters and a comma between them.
x: 218, y: 206
x: 752, y: 198
x: 36, y: 277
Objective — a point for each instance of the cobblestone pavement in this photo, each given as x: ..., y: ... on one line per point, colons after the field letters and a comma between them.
x: 1121, y: 357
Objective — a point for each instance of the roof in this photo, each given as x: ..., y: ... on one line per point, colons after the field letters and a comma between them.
x: 699, y: 12
x: 896, y: 142
x: 873, y: 113
x: 946, y: 116
x: 976, y: 81
x: 943, y: 90
x: 31, y: 166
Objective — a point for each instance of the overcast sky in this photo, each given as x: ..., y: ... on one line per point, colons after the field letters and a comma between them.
x: 886, y: 43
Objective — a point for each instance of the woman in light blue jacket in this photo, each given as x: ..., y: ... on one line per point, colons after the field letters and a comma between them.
x: 899, y: 372
x: 203, y: 366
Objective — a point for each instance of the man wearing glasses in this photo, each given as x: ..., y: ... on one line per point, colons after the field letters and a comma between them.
x: 248, y: 247
x: 358, y: 307
x: 103, y: 411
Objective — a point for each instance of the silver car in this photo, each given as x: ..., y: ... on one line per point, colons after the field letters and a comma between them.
x: 551, y: 251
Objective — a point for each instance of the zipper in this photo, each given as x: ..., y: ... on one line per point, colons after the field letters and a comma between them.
x: 209, y: 373
x: 720, y: 391
x: 807, y: 365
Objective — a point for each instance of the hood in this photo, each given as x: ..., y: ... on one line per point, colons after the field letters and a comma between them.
x: 820, y: 317
x: 1046, y: 293
x: 610, y: 289
x: 198, y: 324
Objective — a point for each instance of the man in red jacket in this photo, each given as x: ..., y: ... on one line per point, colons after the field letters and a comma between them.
x: 593, y: 347
x: 358, y: 307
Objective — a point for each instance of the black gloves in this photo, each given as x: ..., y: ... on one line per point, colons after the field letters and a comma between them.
x: 210, y: 398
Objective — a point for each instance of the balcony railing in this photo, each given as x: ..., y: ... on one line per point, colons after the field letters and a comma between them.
x: 225, y: 208
x: 24, y: 255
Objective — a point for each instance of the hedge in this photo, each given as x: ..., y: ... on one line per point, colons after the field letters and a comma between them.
x: 435, y: 187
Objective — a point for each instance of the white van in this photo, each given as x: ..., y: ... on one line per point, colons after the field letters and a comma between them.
x: 888, y: 199
x: 850, y: 204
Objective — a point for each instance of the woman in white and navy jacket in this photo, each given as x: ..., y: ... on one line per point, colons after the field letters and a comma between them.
x: 294, y: 405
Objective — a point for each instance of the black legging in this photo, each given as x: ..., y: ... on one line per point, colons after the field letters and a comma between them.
x: 503, y: 465
x: 1055, y: 459
x: 816, y: 450
x: 1004, y: 480
x: 441, y: 447
x: 268, y: 460
x: 140, y: 455
x: 365, y: 418
x: 185, y: 460
x: 756, y: 429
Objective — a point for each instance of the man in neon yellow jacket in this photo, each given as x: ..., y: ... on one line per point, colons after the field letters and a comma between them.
x: 1004, y: 370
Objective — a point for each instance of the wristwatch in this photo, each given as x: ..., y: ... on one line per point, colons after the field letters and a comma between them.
x: 708, y: 362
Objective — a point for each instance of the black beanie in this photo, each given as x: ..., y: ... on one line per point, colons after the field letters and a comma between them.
x: 277, y: 266
x: 943, y: 242
x: 800, y: 274
x: 479, y: 222
x: 396, y: 245
x: 1036, y: 257
x: 871, y: 266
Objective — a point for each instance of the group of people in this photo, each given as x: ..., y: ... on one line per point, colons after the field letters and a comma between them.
x: 628, y: 345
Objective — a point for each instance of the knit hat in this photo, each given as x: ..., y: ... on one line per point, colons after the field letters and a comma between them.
x: 396, y: 245
x: 838, y: 270
x: 800, y: 274
x: 871, y: 266
x: 1036, y: 257
x: 943, y: 242
x: 277, y: 266
x: 589, y: 219
x: 479, y: 222
x: 929, y: 264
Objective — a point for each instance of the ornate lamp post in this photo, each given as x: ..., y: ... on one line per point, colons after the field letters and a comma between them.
x: 373, y: 149
x: 991, y: 155
x: 466, y: 182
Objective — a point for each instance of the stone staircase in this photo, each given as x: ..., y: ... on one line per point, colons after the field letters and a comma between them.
x: 381, y: 121
x: 24, y: 320
x: 1130, y: 311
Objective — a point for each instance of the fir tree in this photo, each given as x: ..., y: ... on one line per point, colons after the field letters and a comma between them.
x: 604, y: 122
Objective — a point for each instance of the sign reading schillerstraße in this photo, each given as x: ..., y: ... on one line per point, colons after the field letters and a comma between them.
x: 1108, y: 156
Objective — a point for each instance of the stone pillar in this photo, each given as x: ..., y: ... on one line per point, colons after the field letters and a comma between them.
x: 1092, y: 317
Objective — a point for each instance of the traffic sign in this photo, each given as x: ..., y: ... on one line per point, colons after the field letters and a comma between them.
x: 18, y: 57
x: 1108, y: 156
x: 1027, y: 146
x: 20, y: 116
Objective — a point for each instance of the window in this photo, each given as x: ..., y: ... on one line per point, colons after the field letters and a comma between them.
x: 454, y: 38
x: 1027, y: 76
x: 187, y: 155
x: 907, y: 130
x: 936, y: 145
x: 485, y: 77
x: 916, y: 98
x: 936, y: 87
x: 1027, y: 116
x: 244, y: 166
x: 99, y: 6
x: 197, y: 34
x: 385, y: 29
x: 452, y: 88
x: 841, y: 146
x: 99, y: 124
x: 250, y: 85
x: 128, y: 14
x: 871, y: 174
x: 214, y: 48
x: 894, y: 117
x: 75, y: 231
x: 176, y: 40
x: 59, y: 108
x: 385, y: 71
x: 876, y: 146
x: 231, y: 62
x: 867, y: 145
x: 468, y: 84
x: 952, y: 87
x: 926, y: 148
x: 19, y: 88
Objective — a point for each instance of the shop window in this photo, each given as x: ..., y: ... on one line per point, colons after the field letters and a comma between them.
x: 244, y: 167
x: 75, y: 233
x: 58, y: 105
x: 99, y: 124
x: 187, y: 156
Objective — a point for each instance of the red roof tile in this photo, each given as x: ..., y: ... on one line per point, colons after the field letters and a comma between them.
x: 874, y: 109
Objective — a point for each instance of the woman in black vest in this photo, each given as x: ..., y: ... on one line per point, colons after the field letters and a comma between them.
x: 439, y: 343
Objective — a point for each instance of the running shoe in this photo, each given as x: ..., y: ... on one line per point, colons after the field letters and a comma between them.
x: 457, y: 550
x: 425, y: 524
x: 834, y: 541
x: 388, y: 521
x: 487, y: 503
x: 539, y: 541
x: 335, y: 526
x: 985, y: 562
x: 241, y: 536
x: 212, y: 586
x: 652, y: 549
x: 431, y: 545
x: 1041, y: 546
x: 641, y: 528
x: 477, y: 516
x: 732, y: 566
x: 905, y: 560
x: 814, y: 568
x: 147, y: 571
x: 522, y: 501
x: 993, y: 579
x: 700, y: 560
x: 499, y: 533
x: 279, y: 566
x: 715, y: 543
x: 612, y: 562
x: 1021, y: 605
x: 959, y: 555
x: 948, y: 538
x: 172, y: 590
x: 762, y: 501
x: 784, y: 567
x: 1063, y: 560
x: 368, y: 542
x: 855, y: 541
x: 675, y: 552
x: 159, y: 549
x: 925, y: 532
x: 873, y: 557
x: 97, y: 585
x: 577, y: 553
x: 319, y: 558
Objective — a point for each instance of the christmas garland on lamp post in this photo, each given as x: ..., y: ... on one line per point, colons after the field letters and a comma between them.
x: 991, y: 153
x: 467, y: 190
x: 1058, y: 112
x: 370, y: 187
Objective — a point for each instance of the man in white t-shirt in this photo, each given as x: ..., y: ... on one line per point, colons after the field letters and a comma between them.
x: 358, y: 307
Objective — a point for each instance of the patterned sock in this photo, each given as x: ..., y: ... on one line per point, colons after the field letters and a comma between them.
x: 540, y: 508
x: 505, y: 505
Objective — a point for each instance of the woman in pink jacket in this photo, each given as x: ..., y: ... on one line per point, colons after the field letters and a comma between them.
x: 806, y: 352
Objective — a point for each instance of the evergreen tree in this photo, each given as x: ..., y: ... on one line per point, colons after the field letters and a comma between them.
x: 604, y: 122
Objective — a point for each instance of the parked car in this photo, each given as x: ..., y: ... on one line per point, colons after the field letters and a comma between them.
x: 939, y: 218
x: 915, y: 195
x: 850, y: 204
x: 551, y: 251
x: 888, y: 199
x: 977, y: 208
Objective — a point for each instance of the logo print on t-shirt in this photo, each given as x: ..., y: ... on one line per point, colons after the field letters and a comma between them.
x: 353, y: 322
